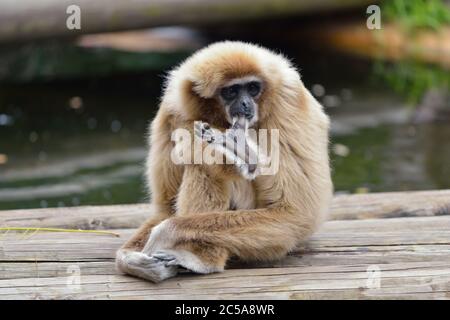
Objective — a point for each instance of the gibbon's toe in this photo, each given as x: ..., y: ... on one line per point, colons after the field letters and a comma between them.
x: 164, y: 256
x: 143, y: 266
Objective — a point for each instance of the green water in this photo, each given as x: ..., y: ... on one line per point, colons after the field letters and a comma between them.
x: 84, y: 143
x: 58, y: 155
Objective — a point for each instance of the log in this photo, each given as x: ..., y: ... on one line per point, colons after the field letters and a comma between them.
x: 391, y: 43
x: 30, y: 19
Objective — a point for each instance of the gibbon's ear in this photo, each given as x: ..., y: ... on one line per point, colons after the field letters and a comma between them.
x: 207, y: 85
x: 178, y: 95
x: 191, y: 102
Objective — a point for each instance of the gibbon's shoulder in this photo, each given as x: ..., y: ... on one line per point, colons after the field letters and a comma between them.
x: 213, y: 65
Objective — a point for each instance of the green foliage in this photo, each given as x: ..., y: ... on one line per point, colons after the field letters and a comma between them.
x: 417, y: 13
x: 412, y: 79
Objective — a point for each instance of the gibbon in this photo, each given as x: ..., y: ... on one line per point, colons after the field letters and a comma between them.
x: 204, y: 214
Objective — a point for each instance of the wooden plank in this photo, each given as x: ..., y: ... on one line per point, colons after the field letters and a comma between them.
x: 332, y: 265
x: 60, y: 246
x: 391, y: 205
x: 356, y: 206
x: 412, y: 253
x: 342, y: 235
x: 339, y: 256
x: 397, y: 281
x: 86, y: 217
x: 17, y: 270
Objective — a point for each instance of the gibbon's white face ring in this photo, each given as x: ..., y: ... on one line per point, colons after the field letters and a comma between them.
x: 239, y: 98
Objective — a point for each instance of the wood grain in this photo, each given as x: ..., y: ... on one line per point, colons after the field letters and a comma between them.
x: 406, y: 236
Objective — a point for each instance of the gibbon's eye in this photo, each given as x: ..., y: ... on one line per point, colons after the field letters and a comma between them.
x: 254, y: 88
x: 230, y: 93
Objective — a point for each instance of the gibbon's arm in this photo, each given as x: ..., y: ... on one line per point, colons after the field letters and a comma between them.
x: 173, y: 187
x: 163, y: 179
x: 204, y: 242
x: 204, y: 234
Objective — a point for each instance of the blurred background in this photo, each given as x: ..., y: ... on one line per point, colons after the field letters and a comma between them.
x: 75, y: 103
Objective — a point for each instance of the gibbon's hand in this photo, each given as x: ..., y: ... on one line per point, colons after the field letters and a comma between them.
x: 144, y: 266
x: 234, y: 144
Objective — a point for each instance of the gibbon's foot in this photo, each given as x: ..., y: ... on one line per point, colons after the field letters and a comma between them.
x: 147, y: 267
x: 203, y: 131
x: 226, y: 144
x: 185, y: 261
x: 167, y: 257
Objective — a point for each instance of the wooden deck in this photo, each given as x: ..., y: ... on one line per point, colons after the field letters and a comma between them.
x: 400, y: 239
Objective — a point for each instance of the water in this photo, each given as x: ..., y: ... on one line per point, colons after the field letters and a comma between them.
x: 74, y: 145
x: 84, y: 143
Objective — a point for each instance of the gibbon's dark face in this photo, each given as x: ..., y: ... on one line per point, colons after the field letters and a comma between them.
x: 239, y: 98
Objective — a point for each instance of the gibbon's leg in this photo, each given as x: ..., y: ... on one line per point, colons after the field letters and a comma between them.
x: 203, y: 242
x: 164, y: 178
x: 131, y: 260
x: 201, y: 191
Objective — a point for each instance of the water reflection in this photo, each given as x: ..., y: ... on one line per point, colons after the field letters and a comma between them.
x: 67, y: 150
x: 85, y: 145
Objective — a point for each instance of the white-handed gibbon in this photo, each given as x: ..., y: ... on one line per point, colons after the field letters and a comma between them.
x: 204, y: 214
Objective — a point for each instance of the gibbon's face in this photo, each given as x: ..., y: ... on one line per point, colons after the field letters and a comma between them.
x: 239, y: 98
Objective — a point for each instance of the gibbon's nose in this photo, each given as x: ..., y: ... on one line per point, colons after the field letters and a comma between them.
x: 247, y: 110
x: 249, y: 114
x: 242, y: 108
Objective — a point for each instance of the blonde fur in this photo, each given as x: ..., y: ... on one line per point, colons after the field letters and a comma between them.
x: 205, y: 214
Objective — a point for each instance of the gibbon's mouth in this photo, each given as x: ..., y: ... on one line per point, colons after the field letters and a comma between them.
x: 243, y: 123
